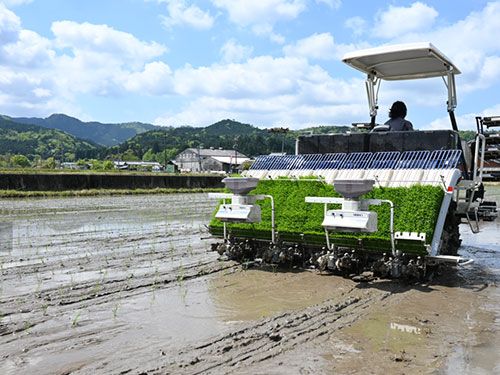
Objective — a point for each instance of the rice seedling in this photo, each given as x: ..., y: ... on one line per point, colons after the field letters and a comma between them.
x: 115, y: 310
x: 75, y: 319
x: 44, y: 309
x: 171, y: 251
x: 181, y: 275
x: 27, y: 325
x: 183, y: 296
x: 96, y: 289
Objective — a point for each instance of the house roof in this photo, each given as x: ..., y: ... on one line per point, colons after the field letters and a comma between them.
x: 216, y: 152
x: 230, y: 159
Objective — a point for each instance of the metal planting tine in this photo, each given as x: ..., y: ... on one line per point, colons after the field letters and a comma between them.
x: 291, y: 161
x: 413, y: 159
x: 384, y: 160
x: 285, y: 162
x: 267, y: 162
x: 442, y: 159
x: 311, y: 160
x: 259, y: 162
x: 434, y: 159
x: 456, y: 158
x: 361, y: 160
x: 327, y: 162
x: 303, y: 161
x: 316, y: 161
x: 278, y: 163
x: 294, y: 162
x: 274, y: 162
x: 335, y: 160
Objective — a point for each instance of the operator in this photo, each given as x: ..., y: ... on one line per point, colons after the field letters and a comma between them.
x: 397, y: 116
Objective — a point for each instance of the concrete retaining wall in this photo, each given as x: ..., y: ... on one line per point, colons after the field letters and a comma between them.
x: 61, y: 181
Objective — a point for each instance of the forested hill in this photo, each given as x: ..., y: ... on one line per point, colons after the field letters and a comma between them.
x: 104, y: 134
x: 33, y: 141
x: 227, y: 134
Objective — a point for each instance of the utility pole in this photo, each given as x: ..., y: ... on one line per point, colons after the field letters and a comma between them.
x: 166, y: 150
x: 283, y: 131
x: 199, y: 159
x: 235, y: 147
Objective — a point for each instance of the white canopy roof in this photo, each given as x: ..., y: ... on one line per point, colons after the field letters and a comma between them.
x: 402, y: 61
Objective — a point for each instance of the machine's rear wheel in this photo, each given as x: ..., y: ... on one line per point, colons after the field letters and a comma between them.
x: 451, y: 235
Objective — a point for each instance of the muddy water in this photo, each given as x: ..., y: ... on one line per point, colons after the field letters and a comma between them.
x: 480, y: 355
x: 128, y: 285
x: 256, y: 294
x: 86, y: 282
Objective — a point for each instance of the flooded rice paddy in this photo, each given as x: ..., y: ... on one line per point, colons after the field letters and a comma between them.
x: 115, y: 285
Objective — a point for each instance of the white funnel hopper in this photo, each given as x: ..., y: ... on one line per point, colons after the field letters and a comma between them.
x: 240, y: 185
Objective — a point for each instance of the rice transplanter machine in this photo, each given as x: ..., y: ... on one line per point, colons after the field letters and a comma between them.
x: 356, y: 164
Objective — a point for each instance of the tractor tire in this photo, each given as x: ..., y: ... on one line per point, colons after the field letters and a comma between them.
x: 450, y: 239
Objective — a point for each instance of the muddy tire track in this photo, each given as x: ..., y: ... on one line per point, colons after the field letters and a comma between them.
x: 271, y: 337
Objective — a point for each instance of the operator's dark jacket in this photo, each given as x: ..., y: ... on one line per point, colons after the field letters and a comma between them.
x: 399, y: 124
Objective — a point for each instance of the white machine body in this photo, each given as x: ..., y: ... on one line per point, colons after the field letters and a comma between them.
x: 239, y: 213
x: 350, y: 221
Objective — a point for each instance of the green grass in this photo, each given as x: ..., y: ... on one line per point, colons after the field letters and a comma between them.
x: 97, y: 192
x: 416, y: 210
x: 91, y: 171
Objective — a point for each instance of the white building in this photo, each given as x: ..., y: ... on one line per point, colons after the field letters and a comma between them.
x: 209, y: 160
x: 137, y: 165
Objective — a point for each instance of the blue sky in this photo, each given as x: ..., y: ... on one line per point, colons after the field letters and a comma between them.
x: 263, y: 62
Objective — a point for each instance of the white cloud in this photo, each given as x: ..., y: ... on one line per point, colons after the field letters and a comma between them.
x: 262, y: 15
x: 155, y: 79
x: 244, y: 12
x: 10, y: 3
x: 262, y: 76
x: 464, y: 122
x: 356, y: 24
x: 30, y: 50
x: 102, y: 61
x: 320, y: 47
x: 400, y: 20
x: 233, y: 52
x: 334, y: 4
x: 266, y: 91
x: 472, y: 44
x: 317, y: 46
x: 10, y: 26
x: 279, y: 111
x: 181, y: 14
x: 104, y: 42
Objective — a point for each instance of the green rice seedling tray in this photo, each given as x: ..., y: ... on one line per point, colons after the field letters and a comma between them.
x: 416, y: 210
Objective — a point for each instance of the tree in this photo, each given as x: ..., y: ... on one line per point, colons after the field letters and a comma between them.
x: 50, y: 163
x: 156, y: 148
x: 108, y: 165
x: 20, y: 161
x: 95, y: 164
x: 81, y: 163
x: 149, y: 156
x: 129, y: 155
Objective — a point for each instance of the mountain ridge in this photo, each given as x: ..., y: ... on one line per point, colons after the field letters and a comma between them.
x: 106, y: 134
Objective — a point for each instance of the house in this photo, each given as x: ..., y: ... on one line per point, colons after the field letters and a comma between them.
x: 209, y: 160
x: 136, y: 165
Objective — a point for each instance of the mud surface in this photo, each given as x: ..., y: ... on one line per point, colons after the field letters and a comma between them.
x: 115, y: 285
